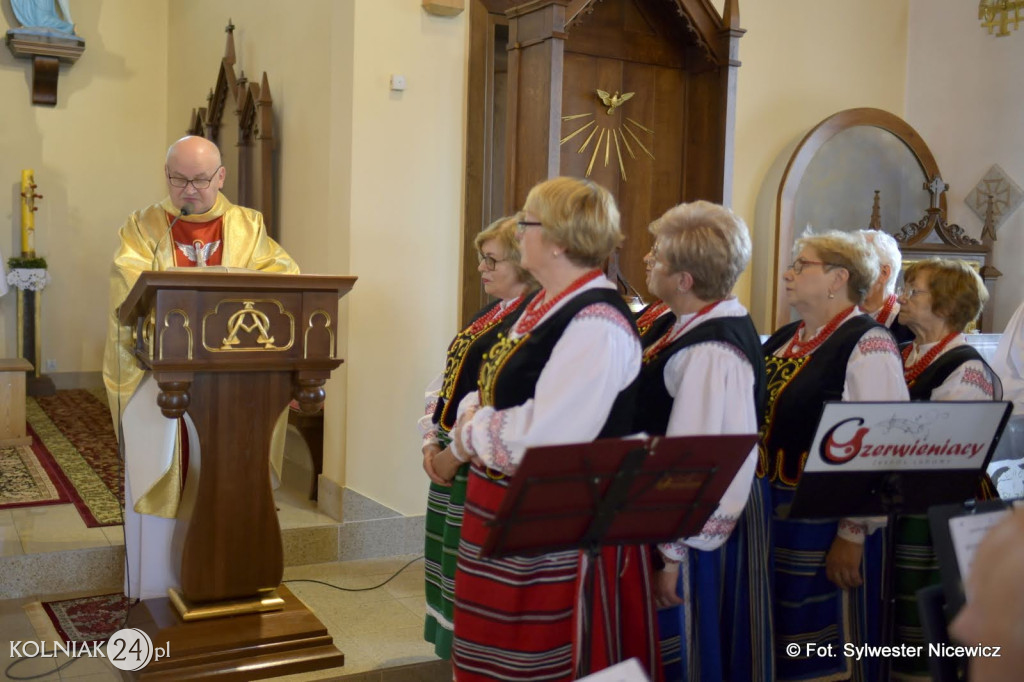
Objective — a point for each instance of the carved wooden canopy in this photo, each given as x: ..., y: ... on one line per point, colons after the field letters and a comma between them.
x: 637, y: 95
x: 245, y: 137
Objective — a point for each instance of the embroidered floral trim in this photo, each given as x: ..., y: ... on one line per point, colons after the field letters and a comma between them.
x: 729, y: 347
x: 719, y: 526
x: 849, y: 527
x: 430, y: 407
x: 881, y: 342
x: 604, y: 311
x: 977, y: 378
x: 501, y: 457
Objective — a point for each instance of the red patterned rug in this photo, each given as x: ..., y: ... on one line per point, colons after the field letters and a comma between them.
x: 29, y: 477
x: 87, y: 619
x: 75, y: 428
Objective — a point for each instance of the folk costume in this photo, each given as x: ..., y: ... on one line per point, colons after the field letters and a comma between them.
x: 226, y: 235
x: 887, y: 315
x: 653, y: 321
x: 948, y: 369
x: 851, y: 358
x: 705, y: 376
x: 444, y: 503
x: 565, y: 373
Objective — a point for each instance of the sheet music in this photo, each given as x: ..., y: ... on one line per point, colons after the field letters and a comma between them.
x: 967, y: 533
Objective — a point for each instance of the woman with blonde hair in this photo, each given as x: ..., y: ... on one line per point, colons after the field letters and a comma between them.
x: 504, y: 278
x: 826, y: 581
x: 705, y: 376
x: 565, y: 373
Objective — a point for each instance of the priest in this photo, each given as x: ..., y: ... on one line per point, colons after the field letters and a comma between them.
x: 193, y: 226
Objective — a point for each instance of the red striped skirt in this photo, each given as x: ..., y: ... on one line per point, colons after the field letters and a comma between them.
x: 521, y: 618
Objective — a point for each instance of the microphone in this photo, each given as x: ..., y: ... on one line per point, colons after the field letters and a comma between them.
x: 185, y: 210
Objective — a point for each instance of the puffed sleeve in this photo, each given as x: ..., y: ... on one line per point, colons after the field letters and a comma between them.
x: 713, y: 387
x: 874, y: 372
x: 597, y: 357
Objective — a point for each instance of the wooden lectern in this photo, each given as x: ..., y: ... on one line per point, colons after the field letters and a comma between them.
x: 232, y: 350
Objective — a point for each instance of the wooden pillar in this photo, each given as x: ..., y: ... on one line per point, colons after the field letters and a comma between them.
x: 536, y: 49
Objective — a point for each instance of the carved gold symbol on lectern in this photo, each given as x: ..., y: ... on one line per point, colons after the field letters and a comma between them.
x: 238, y: 322
x: 245, y: 323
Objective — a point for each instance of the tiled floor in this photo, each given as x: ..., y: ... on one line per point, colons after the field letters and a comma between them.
x: 378, y: 630
x: 53, y: 528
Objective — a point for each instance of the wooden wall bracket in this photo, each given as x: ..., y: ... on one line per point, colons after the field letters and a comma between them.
x: 46, y: 51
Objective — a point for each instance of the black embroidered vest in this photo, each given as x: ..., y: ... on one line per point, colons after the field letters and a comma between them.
x: 462, y: 364
x: 650, y: 333
x: 511, y: 368
x: 654, y: 403
x: 797, y: 391
x: 947, y: 363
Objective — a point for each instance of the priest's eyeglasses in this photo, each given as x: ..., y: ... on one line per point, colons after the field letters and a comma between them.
x: 197, y: 183
x: 799, y: 264
x: 490, y: 263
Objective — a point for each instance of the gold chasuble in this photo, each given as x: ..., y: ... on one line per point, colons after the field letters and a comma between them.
x: 146, y: 244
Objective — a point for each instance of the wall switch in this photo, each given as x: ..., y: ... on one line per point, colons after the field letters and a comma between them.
x: 397, y: 81
x: 51, y: 365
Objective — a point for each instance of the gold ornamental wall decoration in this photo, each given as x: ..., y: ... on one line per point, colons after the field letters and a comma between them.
x: 997, y: 15
x: 622, y: 134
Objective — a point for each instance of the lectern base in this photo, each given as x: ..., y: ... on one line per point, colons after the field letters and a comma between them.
x: 246, y: 647
x: 266, y: 601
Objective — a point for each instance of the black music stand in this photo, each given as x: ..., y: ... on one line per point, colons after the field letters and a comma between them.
x: 939, y: 604
x: 613, y: 492
x: 894, y: 482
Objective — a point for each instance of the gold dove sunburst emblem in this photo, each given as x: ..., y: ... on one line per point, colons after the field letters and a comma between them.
x: 622, y: 136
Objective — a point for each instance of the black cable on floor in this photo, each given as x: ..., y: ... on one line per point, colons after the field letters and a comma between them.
x: 7, y: 671
x: 355, y: 589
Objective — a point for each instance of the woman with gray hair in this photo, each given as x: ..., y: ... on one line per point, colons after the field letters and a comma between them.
x: 881, y: 301
x: 705, y: 376
x: 824, y: 573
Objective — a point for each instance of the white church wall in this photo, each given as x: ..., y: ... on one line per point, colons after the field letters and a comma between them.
x: 97, y: 155
x: 803, y: 60
x: 370, y: 185
x: 964, y: 98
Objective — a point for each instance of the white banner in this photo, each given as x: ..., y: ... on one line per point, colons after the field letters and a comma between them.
x: 875, y: 437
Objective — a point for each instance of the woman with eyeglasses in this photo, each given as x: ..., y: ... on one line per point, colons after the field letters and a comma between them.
x: 827, y: 573
x: 564, y: 373
x: 505, y: 279
x: 705, y: 376
x: 939, y: 299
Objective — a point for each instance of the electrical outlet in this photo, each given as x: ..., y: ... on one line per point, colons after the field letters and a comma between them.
x: 51, y: 365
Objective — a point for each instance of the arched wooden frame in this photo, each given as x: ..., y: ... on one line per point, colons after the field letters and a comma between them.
x: 245, y: 138
x: 797, y: 166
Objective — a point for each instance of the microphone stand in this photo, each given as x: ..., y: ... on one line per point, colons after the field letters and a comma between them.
x: 185, y: 210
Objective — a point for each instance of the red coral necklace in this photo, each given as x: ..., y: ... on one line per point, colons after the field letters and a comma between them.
x: 495, y: 314
x: 910, y: 374
x: 672, y: 334
x: 652, y: 313
x: 797, y: 348
x: 536, y: 310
